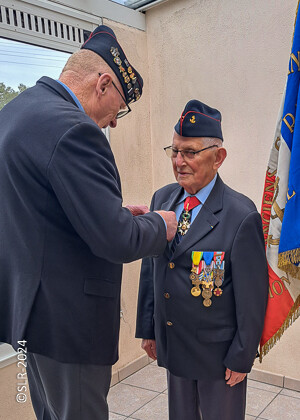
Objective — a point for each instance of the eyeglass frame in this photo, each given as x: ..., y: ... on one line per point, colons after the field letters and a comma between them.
x: 123, y: 112
x: 182, y: 152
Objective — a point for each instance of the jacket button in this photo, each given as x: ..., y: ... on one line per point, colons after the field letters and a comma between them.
x: 169, y: 323
x: 166, y: 295
x: 171, y: 265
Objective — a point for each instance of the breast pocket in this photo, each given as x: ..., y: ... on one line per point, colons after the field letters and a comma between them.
x: 101, y: 287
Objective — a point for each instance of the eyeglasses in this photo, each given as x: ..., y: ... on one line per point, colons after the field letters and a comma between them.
x: 122, y: 112
x: 186, y: 154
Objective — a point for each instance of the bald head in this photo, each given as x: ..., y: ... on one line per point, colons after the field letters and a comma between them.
x: 84, y: 63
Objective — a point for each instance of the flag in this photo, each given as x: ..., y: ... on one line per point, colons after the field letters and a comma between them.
x: 281, y: 209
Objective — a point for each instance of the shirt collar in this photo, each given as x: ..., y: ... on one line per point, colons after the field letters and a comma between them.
x: 72, y: 94
x: 201, y: 194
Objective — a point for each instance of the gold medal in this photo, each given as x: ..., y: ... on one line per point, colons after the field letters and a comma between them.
x: 196, y: 291
x: 218, y: 291
x: 218, y: 282
x: 193, y: 276
x: 207, y: 303
x: 206, y: 293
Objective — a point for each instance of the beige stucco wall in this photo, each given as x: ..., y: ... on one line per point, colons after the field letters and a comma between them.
x: 232, y: 55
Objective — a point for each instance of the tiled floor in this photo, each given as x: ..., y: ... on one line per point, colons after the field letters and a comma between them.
x: 143, y: 396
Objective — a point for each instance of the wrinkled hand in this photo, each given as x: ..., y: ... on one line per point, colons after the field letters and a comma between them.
x: 171, y: 221
x: 150, y: 348
x: 138, y: 210
x: 234, y: 378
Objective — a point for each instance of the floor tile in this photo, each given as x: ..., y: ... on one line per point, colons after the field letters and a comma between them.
x: 155, y: 409
x: 257, y: 400
x: 126, y: 399
x: 265, y: 387
x: 290, y: 393
x: 113, y: 416
x: 150, y: 377
x: 249, y: 417
x: 283, y: 407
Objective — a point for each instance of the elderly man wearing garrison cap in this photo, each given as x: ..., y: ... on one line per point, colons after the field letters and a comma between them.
x: 64, y: 232
x: 202, y: 303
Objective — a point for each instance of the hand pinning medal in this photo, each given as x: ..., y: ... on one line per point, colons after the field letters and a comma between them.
x: 207, y: 271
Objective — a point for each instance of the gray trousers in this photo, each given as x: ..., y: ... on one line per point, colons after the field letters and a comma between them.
x: 205, y: 400
x: 63, y: 391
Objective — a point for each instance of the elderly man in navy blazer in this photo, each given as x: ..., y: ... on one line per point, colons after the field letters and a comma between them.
x: 64, y: 232
x: 202, y: 303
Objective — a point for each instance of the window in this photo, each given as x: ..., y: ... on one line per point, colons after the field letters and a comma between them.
x: 21, y: 65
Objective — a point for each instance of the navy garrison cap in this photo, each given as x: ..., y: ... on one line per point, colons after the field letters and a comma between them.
x: 103, y: 42
x: 199, y: 120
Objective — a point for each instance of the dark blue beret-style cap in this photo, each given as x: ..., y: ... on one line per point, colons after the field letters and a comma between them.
x: 199, y: 120
x: 103, y: 42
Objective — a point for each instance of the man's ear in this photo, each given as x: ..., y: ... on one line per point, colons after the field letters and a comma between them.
x: 221, y: 154
x: 103, y: 83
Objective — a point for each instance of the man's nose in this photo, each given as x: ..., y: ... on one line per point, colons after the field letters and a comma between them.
x: 179, y: 160
x: 113, y: 123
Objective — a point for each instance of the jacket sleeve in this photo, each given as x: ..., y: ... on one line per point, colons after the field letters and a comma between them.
x: 145, y: 307
x: 84, y: 177
x: 250, y: 283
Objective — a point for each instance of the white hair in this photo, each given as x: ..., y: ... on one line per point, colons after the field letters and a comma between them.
x: 211, y: 141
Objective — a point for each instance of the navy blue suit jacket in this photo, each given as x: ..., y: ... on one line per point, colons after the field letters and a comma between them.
x: 64, y: 232
x: 201, y: 342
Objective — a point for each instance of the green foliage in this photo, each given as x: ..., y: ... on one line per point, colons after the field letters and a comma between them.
x: 7, y: 93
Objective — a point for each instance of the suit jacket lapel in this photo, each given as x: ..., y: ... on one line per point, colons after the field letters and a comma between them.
x: 172, y: 200
x: 205, y: 221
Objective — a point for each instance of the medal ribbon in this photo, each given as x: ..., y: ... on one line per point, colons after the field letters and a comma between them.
x: 218, y: 257
x: 197, y: 263
x: 208, y: 256
x: 190, y: 202
x: 196, y: 257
